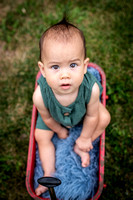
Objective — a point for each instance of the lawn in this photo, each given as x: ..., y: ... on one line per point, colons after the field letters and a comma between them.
x: 107, y: 26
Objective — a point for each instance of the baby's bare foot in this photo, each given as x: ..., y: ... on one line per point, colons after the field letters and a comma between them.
x: 85, y: 157
x: 40, y: 189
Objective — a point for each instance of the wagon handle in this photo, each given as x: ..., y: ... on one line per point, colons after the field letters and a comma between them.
x: 50, y: 183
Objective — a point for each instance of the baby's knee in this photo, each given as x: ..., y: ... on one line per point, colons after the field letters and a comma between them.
x: 43, y: 136
x: 105, y: 118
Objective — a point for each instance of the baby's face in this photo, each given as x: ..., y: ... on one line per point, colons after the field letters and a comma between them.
x: 63, y: 64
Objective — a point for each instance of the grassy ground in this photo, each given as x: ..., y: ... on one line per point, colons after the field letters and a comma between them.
x: 107, y: 25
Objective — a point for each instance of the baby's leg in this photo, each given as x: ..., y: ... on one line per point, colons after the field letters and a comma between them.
x: 104, y: 120
x: 46, y: 153
x: 85, y: 157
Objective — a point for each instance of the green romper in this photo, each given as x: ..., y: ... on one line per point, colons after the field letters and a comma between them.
x: 71, y: 115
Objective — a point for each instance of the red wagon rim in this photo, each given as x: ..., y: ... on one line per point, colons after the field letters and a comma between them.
x: 32, y: 146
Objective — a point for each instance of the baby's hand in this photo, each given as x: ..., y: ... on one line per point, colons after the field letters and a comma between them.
x: 84, y: 144
x: 63, y: 133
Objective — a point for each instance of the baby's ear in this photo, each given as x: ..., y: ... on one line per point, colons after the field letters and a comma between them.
x: 86, y: 62
x: 41, y: 67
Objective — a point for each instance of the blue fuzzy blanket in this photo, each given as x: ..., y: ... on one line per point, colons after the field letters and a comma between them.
x: 78, y: 183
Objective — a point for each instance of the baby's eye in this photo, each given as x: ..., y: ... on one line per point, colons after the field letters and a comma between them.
x: 73, y: 65
x: 55, y: 67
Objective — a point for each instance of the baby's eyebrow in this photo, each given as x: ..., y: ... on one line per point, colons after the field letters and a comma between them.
x: 75, y: 60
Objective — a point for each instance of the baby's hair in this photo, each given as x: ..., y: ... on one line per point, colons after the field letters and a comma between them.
x: 61, y: 30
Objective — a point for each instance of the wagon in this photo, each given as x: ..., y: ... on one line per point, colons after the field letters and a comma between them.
x: 32, y: 144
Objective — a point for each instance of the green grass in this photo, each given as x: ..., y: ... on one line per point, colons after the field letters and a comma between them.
x: 107, y: 25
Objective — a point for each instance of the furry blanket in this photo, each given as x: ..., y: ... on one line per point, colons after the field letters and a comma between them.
x: 78, y: 183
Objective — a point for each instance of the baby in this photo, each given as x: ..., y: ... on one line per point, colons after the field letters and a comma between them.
x: 66, y: 95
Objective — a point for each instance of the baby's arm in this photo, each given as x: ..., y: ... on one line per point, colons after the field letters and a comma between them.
x: 90, y: 121
x: 47, y: 118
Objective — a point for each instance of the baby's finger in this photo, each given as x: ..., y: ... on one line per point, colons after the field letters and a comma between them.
x: 88, y: 150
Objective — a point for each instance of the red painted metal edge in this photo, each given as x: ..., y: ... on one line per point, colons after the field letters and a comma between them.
x: 32, y: 147
x: 102, y: 138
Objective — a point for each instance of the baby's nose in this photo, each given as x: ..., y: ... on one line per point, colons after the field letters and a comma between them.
x: 65, y: 75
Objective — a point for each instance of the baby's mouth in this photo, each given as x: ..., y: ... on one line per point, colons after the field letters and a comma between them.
x: 65, y: 86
